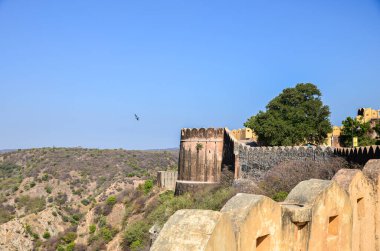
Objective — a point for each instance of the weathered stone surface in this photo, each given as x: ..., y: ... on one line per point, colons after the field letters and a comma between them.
x: 256, y: 221
x: 317, y: 215
x: 200, y: 156
x: 331, y: 214
x: 253, y: 161
x: 361, y: 195
x: 372, y: 171
x: 167, y: 179
x: 196, y: 230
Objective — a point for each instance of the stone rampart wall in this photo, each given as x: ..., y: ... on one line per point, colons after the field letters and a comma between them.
x: 167, y: 179
x: 254, y: 161
x: 338, y: 214
x: 204, y: 152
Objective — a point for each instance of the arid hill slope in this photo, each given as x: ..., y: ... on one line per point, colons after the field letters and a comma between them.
x: 50, y: 197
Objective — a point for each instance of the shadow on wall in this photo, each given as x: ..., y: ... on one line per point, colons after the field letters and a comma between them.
x: 341, y: 214
x: 359, y: 155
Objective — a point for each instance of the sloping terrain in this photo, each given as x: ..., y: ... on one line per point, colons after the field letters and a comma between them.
x: 51, y: 198
x: 87, y: 199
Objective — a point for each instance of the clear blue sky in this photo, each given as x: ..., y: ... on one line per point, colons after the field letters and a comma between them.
x: 74, y: 73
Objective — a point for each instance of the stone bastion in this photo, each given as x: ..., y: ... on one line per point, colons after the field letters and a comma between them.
x: 206, y: 152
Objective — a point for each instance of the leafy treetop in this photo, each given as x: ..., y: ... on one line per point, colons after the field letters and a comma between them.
x: 294, y: 117
x: 355, y: 128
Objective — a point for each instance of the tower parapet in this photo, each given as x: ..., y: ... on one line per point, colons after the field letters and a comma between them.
x: 201, y: 152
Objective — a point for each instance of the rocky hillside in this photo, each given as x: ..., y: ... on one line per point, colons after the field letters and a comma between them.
x: 76, y: 199
x: 69, y: 199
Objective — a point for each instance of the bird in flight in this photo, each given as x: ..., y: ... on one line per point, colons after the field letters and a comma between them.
x: 137, y: 117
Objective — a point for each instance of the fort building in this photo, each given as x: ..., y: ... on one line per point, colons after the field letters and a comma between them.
x: 248, y: 135
x: 368, y: 115
x: 244, y: 134
x: 364, y: 115
x: 333, y: 137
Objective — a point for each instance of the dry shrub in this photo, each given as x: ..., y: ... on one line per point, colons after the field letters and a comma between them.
x: 140, y: 204
x: 53, y: 243
x: 286, y: 175
x: 80, y: 247
x: 227, y: 177
x: 247, y: 186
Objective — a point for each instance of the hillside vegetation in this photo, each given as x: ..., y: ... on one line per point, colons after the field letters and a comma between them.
x: 51, y: 198
x: 87, y: 199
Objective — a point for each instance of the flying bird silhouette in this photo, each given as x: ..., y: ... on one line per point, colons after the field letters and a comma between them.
x: 137, y: 117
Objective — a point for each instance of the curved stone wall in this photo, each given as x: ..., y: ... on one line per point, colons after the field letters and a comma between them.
x: 341, y: 214
x: 200, y: 156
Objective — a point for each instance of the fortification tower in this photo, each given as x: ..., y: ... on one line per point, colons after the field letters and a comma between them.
x: 201, y: 154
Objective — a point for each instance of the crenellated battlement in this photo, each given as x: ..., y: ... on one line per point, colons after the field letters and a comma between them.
x: 201, y: 133
x: 359, y: 155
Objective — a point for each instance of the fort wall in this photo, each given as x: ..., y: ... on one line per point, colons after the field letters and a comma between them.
x: 204, y: 152
x: 359, y: 155
x: 338, y: 214
x: 167, y: 179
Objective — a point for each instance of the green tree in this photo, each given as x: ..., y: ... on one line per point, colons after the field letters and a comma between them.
x: 46, y: 235
x: 294, y: 117
x: 148, y: 186
x: 111, y: 200
x: 377, y: 129
x: 355, y: 128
